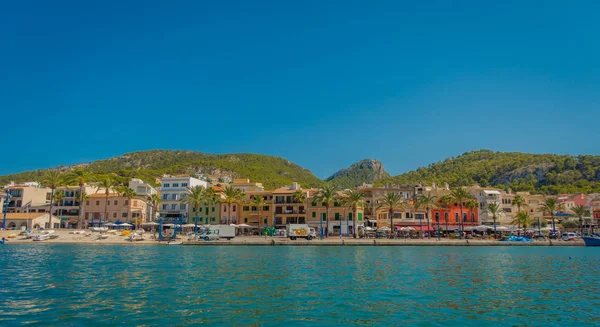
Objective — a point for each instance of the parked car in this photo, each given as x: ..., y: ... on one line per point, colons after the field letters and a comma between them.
x: 570, y: 236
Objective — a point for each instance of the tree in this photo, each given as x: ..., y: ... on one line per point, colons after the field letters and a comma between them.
x: 522, y: 219
x: 328, y: 196
x: 299, y: 197
x: 550, y: 207
x: 80, y: 177
x: 258, y: 201
x: 493, y: 208
x: 107, y: 183
x: 231, y: 196
x: 427, y: 202
x: 472, y: 205
x: 391, y: 201
x: 212, y: 199
x: 354, y: 199
x: 445, y: 201
x: 580, y: 211
x: 52, y: 179
x: 195, y: 195
x: 59, y: 195
x: 569, y: 224
x: 129, y: 193
x: 519, y: 202
x: 153, y: 200
x: 460, y: 196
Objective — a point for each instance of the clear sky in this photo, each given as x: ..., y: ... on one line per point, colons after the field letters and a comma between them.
x: 321, y: 83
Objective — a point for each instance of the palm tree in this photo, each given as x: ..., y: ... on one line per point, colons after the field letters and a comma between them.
x: 580, y: 211
x: 210, y: 201
x: 108, y: 183
x: 52, y: 179
x: 428, y: 202
x: 471, y: 205
x: 353, y: 199
x: 550, y: 206
x: 258, y: 201
x: 232, y: 195
x: 299, y: 197
x: 195, y: 195
x: 80, y: 177
x: 494, y: 209
x: 522, y: 219
x: 129, y: 193
x: 445, y: 201
x: 59, y: 195
x: 460, y: 196
x: 391, y: 201
x: 519, y: 202
x: 328, y: 196
x: 153, y: 200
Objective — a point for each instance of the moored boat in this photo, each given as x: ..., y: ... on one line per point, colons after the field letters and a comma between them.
x: 591, y: 240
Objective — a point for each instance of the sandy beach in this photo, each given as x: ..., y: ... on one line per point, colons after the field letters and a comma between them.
x: 66, y: 238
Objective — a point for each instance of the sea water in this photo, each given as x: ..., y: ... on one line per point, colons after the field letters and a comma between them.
x: 106, y: 285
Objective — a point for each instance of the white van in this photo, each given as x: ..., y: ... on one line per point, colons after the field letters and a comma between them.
x: 570, y: 236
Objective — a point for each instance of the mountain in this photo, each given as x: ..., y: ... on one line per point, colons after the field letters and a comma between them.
x: 542, y: 173
x: 365, y: 171
x: 271, y: 171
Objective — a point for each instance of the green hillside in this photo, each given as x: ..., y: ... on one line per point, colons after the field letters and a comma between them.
x: 271, y: 171
x: 365, y: 171
x: 542, y: 173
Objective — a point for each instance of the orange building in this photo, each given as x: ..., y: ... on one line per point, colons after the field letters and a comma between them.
x: 449, y: 218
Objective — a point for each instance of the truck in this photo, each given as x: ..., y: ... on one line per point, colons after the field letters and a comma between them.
x: 215, y: 232
x: 295, y: 231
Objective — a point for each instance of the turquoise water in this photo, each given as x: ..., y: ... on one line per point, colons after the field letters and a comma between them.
x: 75, y: 285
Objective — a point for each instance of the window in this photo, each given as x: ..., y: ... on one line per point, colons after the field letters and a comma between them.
x: 184, y: 184
x: 266, y: 208
x: 213, y: 209
x: 246, y: 208
x: 173, y: 206
x: 323, y: 216
x: 245, y: 220
x: 173, y: 196
x: 445, y: 216
x: 164, y: 207
x: 265, y: 221
x: 314, y: 214
x: 114, y: 215
x: 116, y: 202
x: 97, y: 203
x: 87, y: 203
x: 464, y: 217
x: 135, y: 203
x: 360, y: 216
x: 124, y: 215
x: 87, y: 215
x: 165, y: 196
x: 166, y: 185
x: 182, y: 206
x: 456, y: 217
x: 407, y: 215
x: 349, y: 216
x: 126, y: 202
x: 175, y: 184
x: 233, y: 208
x: 337, y: 216
x: 472, y: 217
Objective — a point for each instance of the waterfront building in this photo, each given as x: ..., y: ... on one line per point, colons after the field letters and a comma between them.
x: 173, y: 190
x: 30, y: 220
x: 27, y: 197
x: 68, y: 209
x: 144, y: 190
x: 208, y: 213
x: 119, y: 209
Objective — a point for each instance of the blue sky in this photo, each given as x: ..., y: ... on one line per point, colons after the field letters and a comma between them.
x: 321, y: 83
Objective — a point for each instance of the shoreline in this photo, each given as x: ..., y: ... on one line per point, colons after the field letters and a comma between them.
x: 66, y: 238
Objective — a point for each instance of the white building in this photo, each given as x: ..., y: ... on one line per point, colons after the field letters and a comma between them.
x: 173, y: 190
x: 142, y: 188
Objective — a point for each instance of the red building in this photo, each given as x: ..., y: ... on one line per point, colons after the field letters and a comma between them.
x: 449, y: 218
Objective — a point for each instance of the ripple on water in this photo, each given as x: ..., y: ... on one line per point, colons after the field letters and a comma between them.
x: 73, y: 285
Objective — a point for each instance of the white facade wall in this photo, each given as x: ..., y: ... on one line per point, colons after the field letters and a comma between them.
x: 173, y: 191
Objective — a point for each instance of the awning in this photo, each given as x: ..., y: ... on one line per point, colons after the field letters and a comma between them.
x: 494, y: 192
x: 417, y: 227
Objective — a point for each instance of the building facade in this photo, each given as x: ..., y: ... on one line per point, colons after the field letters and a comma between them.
x: 118, y: 208
x: 173, y: 191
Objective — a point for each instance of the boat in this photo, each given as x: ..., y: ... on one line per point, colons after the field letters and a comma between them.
x: 174, y: 243
x: 41, y: 237
x: 591, y: 240
x: 102, y: 236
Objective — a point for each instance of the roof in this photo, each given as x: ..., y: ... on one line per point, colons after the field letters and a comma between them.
x: 103, y: 195
x: 24, y: 215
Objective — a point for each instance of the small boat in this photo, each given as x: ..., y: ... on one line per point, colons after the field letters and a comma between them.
x: 174, y: 243
x: 53, y: 236
x: 591, y: 240
x: 102, y: 236
x: 41, y: 237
